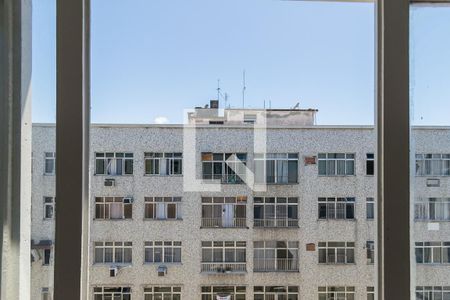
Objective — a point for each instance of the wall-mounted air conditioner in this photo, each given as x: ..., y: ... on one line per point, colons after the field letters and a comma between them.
x: 110, y: 182
x: 127, y: 200
x: 113, y: 271
x: 162, y: 270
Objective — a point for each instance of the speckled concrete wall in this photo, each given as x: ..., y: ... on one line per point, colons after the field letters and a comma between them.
x: 305, y: 141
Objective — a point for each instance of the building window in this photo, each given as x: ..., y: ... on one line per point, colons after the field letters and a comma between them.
x: 45, y: 294
x: 276, y: 292
x: 337, y: 292
x: 433, y: 252
x: 162, y: 252
x: 433, y: 292
x: 370, y: 164
x: 233, y: 292
x: 370, y: 248
x: 111, y: 163
x: 113, y: 208
x: 370, y: 208
x: 113, y: 252
x: 162, y: 292
x: 275, y: 256
x: 47, y: 257
x: 336, y: 252
x: 226, y: 167
x: 371, y: 293
x: 49, y: 208
x: 162, y: 208
x: 49, y: 164
x: 224, y: 211
x: 281, y: 168
x: 336, y: 164
x: 432, y: 209
x: 163, y: 163
x: 108, y: 293
x: 223, y: 257
x: 333, y: 208
x: 433, y: 164
x: 275, y: 211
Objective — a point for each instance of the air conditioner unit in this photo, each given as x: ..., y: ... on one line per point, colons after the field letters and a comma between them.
x: 113, y: 271
x: 127, y: 200
x: 162, y: 270
x: 110, y: 182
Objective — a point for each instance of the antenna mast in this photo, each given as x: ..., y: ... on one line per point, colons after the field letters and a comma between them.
x: 243, y: 89
x: 218, y: 89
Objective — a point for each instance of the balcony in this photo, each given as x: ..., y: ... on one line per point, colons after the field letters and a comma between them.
x: 221, y: 268
x: 224, y: 223
x: 225, y: 178
x: 276, y: 223
x: 276, y: 265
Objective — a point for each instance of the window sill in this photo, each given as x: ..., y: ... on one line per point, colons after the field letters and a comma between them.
x: 49, y: 174
x: 112, y: 264
x: 276, y: 271
x: 114, y: 176
x: 335, y: 176
x: 431, y: 221
x: 276, y: 183
x: 276, y: 227
x: 151, y: 264
x: 222, y: 227
x: 338, y: 220
x: 48, y: 219
x: 163, y: 176
x: 337, y: 264
x: 114, y: 220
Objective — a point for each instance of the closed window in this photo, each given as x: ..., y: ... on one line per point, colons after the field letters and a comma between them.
x: 113, y: 252
x: 333, y: 208
x: 337, y: 292
x: 162, y: 252
x: 163, y: 163
x: 110, y: 293
x: 371, y: 293
x: 432, y: 209
x: 114, y: 163
x: 336, y: 164
x: 49, y: 208
x: 49, y: 163
x: 370, y: 208
x: 432, y: 252
x: 275, y: 211
x: 433, y: 164
x: 233, y: 292
x: 226, y: 167
x: 45, y: 294
x: 113, y: 208
x: 370, y: 164
x: 275, y: 256
x: 277, y: 168
x: 162, y: 208
x: 276, y: 292
x: 336, y: 252
x: 162, y: 293
x: 433, y: 292
x: 47, y: 257
x: 370, y: 249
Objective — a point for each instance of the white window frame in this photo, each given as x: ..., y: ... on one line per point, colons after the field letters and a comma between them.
x: 275, y: 220
x: 334, y: 202
x: 163, y: 162
x: 163, y: 247
x: 430, y: 292
x: 424, y: 208
x: 213, y: 265
x: 162, y: 292
x: 49, y: 156
x: 370, y: 291
x: 348, y: 248
x: 370, y: 158
x: 110, y: 160
x: 272, y: 292
x: 336, y: 292
x: 230, y: 162
x: 370, y: 205
x: 101, y: 201
x: 115, y: 246
x: 220, y: 221
x: 370, y: 252
x: 238, y: 292
x: 265, y: 263
x: 433, y: 164
x: 123, y: 292
x: 46, y: 294
x: 49, y: 202
x: 437, y: 251
x: 164, y: 202
x: 323, y: 157
x: 277, y: 158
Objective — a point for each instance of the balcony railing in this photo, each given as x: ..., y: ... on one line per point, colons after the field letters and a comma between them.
x: 230, y: 178
x: 228, y: 267
x: 224, y: 223
x: 275, y: 265
x: 275, y: 222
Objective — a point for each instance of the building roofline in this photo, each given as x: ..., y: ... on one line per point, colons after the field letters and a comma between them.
x: 247, y: 126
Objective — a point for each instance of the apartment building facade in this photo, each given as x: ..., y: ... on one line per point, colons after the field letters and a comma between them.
x: 170, y: 221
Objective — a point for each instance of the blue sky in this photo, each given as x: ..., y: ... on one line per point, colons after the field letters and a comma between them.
x: 156, y: 58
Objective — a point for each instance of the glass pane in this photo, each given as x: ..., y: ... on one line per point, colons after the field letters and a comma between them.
x: 430, y: 94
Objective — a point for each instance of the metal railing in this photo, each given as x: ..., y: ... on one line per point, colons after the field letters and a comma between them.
x: 228, y: 267
x: 275, y: 265
x: 275, y: 222
x: 224, y: 223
